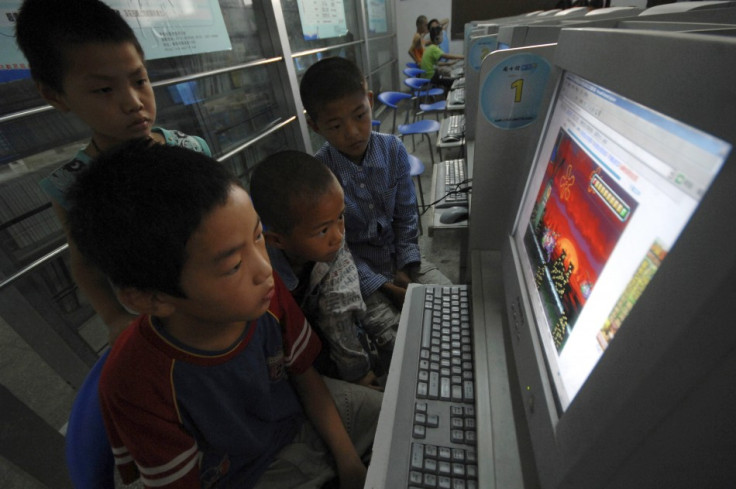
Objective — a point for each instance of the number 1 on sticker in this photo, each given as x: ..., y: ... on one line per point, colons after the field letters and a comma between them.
x: 518, y: 87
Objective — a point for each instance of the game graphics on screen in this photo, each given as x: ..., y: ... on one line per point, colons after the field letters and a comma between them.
x: 579, y: 215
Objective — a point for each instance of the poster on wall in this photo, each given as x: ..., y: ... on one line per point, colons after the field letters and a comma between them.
x: 168, y: 29
x: 322, y: 19
x: 13, y: 65
x: 164, y: 29
x: 377, y: 23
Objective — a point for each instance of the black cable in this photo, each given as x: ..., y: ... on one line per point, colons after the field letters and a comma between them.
x: 458, y: 189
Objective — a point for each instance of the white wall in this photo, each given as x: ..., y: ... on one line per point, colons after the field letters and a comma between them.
x: 407, y: 12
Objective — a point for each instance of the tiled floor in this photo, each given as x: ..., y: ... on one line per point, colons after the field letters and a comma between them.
x: 35, y: 384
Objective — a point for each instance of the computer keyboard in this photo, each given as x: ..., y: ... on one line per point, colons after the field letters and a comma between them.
x: 457, y: 72
x: 455, y: 128
x: 452, y: 173
x: 457, y: 96
x: 443, y: 445
x: 459, y: 83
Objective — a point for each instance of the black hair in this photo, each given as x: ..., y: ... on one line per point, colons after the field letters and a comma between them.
x: 421, y: 20
x: 285, y: 185
x: 434, y: 33
x: 432, y: 21
x: 45, y: 29
x: 135, y: 208
x: 328, y: 80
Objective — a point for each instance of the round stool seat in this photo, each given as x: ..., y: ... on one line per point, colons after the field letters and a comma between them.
x: 424, y: 126
x: 416, y: 167
x: 435, y: 107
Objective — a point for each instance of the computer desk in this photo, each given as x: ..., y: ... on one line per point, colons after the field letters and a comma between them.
x: 460, y: 229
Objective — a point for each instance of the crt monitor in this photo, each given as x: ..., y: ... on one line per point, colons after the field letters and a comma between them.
x: 618, y: 272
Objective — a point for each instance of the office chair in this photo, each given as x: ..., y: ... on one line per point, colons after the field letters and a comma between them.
x: 423, y: 127
x: 88, y: 454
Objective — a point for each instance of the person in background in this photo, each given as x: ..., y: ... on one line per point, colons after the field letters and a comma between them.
x: 416, y: 48
x: 381, y: 219
x: 419, y: 40
x: 434, y: 62
x: 302, y: 207
x: 445, y: 44
x: 213, y: 384
x: 85, y: 59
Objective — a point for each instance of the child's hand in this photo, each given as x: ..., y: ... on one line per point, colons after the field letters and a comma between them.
x: 395, y: 293
x: 401, y: 279
x: 370, y: 380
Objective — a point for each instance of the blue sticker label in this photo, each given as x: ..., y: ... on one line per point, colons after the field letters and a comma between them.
x: 512, y: 91
x: 480, y: 49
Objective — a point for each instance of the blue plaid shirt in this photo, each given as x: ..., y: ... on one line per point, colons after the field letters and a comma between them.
x: 380, y: 209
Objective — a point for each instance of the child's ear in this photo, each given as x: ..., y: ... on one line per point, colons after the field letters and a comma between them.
x: 369, y: 94
x: 313, y: 124
x: 274, y: 239
x: 54, y: 98
x: 146, y: 302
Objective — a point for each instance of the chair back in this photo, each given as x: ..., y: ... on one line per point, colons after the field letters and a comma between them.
x: 89, y: 457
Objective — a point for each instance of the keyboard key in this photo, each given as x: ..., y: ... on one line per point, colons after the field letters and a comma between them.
x: 417, y: 456
x: 415, y: 477
x: 458, y: 483
x: 458, y: 470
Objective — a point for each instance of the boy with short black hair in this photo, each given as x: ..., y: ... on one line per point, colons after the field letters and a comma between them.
x: 435, y: 61
x: 210, y: 386
x: 381, y: 221
x: 302, y: 207
x: 85, y: 59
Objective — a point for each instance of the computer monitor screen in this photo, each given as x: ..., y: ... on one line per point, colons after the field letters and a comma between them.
x: 613, y: 186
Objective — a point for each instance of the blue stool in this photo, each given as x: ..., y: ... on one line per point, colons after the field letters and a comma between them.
x: 414, y: 72
x: 422, y: 127
x: 376, y: 124
x: 411, y: 64
x: 416, y: 168
x: 421, y: 88
x: 436, y: 107
x: 89, y: 457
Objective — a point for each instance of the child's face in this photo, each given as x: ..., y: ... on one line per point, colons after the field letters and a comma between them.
x: 319, y: 232
x: 106, y: 85
x: 346, y: 123
x: 227, y: 277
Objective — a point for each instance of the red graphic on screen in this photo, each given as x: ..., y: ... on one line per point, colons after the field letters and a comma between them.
x: 579, y: 215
